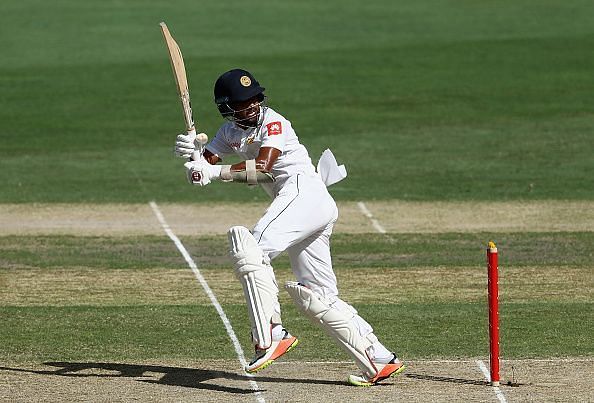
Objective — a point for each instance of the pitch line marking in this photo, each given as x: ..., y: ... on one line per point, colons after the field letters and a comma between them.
x: 210, y: 294
x: 368, y: 214
x: 485, y: 372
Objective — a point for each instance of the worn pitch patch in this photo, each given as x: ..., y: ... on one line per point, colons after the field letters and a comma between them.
x: 208, y: 219
x: 219, y: 380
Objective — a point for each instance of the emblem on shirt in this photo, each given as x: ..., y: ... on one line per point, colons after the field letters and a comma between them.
x: 245, y: 81
x: 274, y: 128
x: 250, y: 139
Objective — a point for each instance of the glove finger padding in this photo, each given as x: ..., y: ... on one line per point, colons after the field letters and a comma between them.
x: 181, y: 147
x: 185, y: 145
x: 187, y: 138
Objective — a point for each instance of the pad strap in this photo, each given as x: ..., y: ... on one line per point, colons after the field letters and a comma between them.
x: 249, y: 176
x: 250, y: 170
x: 226, y: 173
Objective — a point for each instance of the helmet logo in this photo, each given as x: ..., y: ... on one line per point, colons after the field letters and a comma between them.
x: 245, y: 81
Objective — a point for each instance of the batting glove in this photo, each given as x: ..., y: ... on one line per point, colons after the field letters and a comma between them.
x: 201, y: 172
x: 185, y: 145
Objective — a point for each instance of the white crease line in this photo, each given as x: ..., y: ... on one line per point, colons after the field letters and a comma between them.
x: 485, y: 372
x: 368, y: 214
x: 213, y: 298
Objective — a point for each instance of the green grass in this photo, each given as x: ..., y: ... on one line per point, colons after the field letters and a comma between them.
x: 136, y: 333
x: 428, y: 100
x: 533, y: 323
x: 349, y: 251
x: 49, y: 252
x: 126, y: 332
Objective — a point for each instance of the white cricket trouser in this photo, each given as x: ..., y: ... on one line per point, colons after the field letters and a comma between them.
x: 300, y: 221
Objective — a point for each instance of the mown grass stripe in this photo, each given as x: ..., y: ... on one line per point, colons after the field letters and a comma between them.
x: 348, y: 250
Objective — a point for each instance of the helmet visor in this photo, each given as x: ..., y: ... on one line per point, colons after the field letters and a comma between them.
x: 245, y: 114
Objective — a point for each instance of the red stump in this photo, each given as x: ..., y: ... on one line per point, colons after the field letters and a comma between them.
x: 493, y: 287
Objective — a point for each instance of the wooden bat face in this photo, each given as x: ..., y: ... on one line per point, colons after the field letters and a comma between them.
x: 179, y: 73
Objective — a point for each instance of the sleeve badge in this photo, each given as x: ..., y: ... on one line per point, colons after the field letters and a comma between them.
x: 274, y: 128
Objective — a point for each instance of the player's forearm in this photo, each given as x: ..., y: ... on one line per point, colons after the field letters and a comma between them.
x: 240, y: 166
x: 245, y: 172
x: 250, y: 171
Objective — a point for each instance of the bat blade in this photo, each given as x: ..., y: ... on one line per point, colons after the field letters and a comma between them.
x: 179, y: 73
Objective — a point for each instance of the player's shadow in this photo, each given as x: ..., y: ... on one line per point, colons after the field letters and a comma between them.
x: 163, y: 375
x: 435, y: 378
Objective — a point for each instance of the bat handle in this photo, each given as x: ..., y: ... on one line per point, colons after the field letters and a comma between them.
x: 196, y: 155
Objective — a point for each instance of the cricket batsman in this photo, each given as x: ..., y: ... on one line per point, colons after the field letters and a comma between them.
x: 299, y: 220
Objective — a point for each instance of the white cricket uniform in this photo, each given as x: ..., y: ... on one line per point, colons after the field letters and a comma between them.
x: 302, y: 214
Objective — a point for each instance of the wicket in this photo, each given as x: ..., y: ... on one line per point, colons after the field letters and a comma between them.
x: 493, y: 291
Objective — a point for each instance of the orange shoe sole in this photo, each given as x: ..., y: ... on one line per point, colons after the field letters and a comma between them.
x: 388, y: 371
x: 283, y: 347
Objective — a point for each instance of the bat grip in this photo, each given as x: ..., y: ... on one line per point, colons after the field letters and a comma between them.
x: 196, y: 155
x: 199, y: 149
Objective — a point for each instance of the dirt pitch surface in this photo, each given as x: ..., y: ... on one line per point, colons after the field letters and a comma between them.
x: 440, y: 380
x: 197, y: 219
x: 436, y: 381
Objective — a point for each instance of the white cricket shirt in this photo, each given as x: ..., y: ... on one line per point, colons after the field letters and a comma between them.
x: 276, y: 132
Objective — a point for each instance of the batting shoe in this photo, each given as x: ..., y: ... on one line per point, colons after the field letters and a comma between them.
x: 264, y: 358
x: 384, y: 371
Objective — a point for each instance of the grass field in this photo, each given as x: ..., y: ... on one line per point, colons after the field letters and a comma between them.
x: 437, y: 297
x: 459, y: 122
x: 458, y: 100
x: 123, y: 306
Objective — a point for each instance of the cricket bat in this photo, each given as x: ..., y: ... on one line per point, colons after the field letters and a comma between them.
x: 181, y: 81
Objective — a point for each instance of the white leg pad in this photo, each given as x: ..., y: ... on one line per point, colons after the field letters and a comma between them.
x: 258, y: 283
x: 337, y: 323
